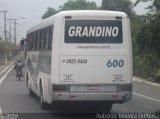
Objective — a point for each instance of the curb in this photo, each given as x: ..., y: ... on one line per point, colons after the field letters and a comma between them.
x: 4, y: 76
x: 136, y: 79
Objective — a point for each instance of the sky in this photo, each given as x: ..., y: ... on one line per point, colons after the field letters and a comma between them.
x: 34, y: 9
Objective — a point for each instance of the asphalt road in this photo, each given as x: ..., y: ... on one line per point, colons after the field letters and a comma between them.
x: 14, y: 98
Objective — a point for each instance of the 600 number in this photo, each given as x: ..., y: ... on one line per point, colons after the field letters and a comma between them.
x: 115, y: 63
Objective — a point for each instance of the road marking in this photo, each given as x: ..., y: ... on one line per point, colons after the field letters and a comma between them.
x: 0, y: 110
x: 146, y: 97
x: 6, y: 68
x: 1, y: 80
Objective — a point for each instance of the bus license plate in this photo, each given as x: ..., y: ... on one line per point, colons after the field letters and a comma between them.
x: 93, y: 87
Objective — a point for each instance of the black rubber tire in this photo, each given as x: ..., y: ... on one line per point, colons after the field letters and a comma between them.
x: 44, y: 105
x: 31, y: 93
x: 27, y: 80
x: 19, y: 78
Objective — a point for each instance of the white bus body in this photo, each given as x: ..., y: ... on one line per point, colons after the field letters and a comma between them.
x: 89, y: 58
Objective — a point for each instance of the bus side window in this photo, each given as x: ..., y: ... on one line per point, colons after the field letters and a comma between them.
x: 47, y: 38
x: 32, y: 41
x: 36, y: 40
x: 29, y: 42
x: 44, y: 38
x: 40, y: 39
x: 50, y: 37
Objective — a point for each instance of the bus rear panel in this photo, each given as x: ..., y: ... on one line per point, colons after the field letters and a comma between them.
x: 93, y: 57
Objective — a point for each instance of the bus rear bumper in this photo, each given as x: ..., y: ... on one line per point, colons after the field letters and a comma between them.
x: 114, y: 97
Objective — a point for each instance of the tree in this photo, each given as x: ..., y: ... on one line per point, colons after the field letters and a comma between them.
x: 147, y: 41
x: 79, y: 5
x: 72, y: 5
x: 118, y: 5
x: 5, y: 48
x: 1, y: 38
x: 50, y: 11
x: 156, y: 6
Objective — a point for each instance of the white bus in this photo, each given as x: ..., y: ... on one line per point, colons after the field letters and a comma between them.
x: 80, y: 56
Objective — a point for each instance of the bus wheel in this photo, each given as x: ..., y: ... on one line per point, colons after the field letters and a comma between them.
x: 19, y: 78
x: 27, y: 80
x: 31, y: 93
x: 44, y: 105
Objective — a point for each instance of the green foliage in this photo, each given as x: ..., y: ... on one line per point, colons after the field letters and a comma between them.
x: 146, y: 43
x: 5, y: 49
x: 1, y: 38
x: 72, y: 5
x: 2, y: 48
x: 118, y: 5
x: 50, y: 11
x: 156, y: 6
x: 79, y: 5
x: 146, y: 64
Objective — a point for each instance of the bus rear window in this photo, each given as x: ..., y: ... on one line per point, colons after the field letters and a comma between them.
x: 93, y: 31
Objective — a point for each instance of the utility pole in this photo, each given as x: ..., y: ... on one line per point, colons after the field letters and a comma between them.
x: 10, y: 35
x: 15, y: 30
x: 5, y: 31
x: 10, y: 30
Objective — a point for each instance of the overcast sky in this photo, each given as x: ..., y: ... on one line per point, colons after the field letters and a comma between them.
x: 34, y: 9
